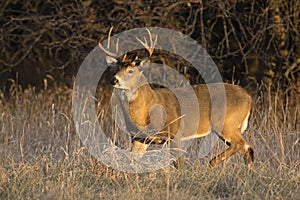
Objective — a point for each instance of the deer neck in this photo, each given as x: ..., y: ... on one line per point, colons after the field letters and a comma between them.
x: 139, y: 88
x: 139, y: 104
x: 142, y: 93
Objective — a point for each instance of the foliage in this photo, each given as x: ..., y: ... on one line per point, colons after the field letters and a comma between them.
x: 249, y: 40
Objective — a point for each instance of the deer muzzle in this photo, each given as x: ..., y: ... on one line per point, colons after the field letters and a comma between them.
x: 114, y: 81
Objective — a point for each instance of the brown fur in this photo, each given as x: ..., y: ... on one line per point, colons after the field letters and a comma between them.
x: 235, y: 117
x: 238, y: 106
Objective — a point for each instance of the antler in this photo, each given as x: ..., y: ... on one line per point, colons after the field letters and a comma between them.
x: 150, y: 48
x: 114, y: 55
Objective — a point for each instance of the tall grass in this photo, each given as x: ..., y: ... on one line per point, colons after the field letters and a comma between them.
x: 41, y: 156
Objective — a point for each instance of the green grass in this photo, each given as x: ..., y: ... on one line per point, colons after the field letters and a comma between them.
x: 41, y: 157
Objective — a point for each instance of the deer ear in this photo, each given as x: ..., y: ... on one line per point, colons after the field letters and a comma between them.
x: 144, y: 62
x: 111, y: 60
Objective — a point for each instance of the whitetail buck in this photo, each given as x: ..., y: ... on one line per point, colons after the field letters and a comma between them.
x: 238, y: 106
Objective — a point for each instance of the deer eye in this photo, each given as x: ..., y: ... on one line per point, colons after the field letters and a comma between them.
x: 137, y: 62
x: 130, y: 71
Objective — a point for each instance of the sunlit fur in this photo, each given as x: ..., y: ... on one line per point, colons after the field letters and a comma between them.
x: 238, y: 106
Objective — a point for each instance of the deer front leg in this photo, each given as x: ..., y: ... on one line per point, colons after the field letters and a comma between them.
x: 139, y: 147
x: 175, y: 147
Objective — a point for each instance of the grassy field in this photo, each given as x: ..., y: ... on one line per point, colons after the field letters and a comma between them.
x: 41, y: 156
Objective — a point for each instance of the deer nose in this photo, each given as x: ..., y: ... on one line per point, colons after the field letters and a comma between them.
x: 114, y: 81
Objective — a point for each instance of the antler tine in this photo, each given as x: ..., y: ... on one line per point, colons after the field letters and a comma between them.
x: 109, y: 33
x: 117, y: 45
x: 152, y: 44
x: 124, y: 57
x: 150, y: 48
x: 114, y: 55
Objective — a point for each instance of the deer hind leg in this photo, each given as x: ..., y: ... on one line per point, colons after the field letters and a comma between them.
x: 248, y: 154
x: 223, y: 156
x: 245, y: 149
x: 236, y: 144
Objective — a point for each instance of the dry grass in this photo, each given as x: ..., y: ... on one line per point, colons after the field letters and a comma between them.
x: 41, y: 157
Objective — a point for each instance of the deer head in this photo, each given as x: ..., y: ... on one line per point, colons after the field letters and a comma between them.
x: 128, y: 73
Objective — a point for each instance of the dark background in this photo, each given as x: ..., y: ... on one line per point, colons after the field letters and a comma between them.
x: 252, y: 42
